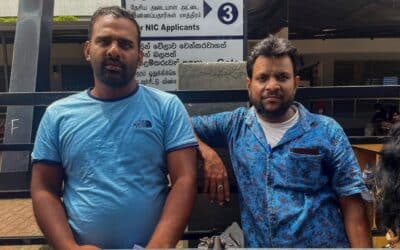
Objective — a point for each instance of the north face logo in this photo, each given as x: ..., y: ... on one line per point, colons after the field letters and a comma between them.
x: 142, y: 124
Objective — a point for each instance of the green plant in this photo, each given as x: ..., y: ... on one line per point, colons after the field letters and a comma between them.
x: 8, y: 19
x: 55, y: 19
x: 65, y: 19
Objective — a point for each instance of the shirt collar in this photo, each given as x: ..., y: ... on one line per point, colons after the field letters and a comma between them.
x: 305, y: 123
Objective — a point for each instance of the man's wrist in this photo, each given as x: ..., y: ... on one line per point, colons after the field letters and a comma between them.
x: 206, y: 152
x: 71, y: 244
x: 154, y: 244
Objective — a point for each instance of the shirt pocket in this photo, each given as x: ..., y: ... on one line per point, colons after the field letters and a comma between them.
x: 303, y: 171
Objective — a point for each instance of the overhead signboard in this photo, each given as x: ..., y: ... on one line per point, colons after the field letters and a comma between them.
x: 178, y: 31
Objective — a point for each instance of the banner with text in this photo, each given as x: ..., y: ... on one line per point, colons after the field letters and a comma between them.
x: 178, y: 31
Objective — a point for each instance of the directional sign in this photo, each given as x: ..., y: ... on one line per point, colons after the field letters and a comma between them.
x: 206, y: 8
x: 178, y: 31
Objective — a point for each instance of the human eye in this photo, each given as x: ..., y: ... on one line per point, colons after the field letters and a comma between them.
x: 262, y: 78
x: 125, y: 44
x: 282, y: 77
x: 103, y: 41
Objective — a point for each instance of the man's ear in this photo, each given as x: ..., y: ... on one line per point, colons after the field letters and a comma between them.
x: 86, y: 50
x: 248, y: 82
x: 296, y: 82
x: 141, y: 56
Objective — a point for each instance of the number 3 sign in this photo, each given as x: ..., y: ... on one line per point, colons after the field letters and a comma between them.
x: 228, y: 13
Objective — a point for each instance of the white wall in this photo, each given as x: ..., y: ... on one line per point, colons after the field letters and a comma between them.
x: 61, y: 7
x: 80, y: 7
x: 9, y: 8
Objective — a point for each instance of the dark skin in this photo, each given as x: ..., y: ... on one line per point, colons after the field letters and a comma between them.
x: 48, y: 208
x: 182, y: 171
x: 116, y: 38
x: 356, y: 221
x: 214, y: 174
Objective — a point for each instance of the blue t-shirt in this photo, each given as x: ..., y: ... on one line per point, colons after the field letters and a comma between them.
x: 288, y: 195
x: 114, y: 157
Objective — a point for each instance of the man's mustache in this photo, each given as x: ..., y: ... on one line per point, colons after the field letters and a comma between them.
x: 113, y: 61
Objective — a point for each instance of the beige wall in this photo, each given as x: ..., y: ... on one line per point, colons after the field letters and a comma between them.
x: 80, y: 7
x: 61, y: 7
x: 9, y: 8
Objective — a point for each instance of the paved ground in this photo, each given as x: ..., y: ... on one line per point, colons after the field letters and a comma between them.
x: 16, y: 219
x: 32, y: 247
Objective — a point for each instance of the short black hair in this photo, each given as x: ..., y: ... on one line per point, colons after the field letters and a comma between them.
x: 116, y: 12
x: 272, y: 46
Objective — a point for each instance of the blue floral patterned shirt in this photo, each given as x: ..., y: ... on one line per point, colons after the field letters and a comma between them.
x: 289, y: 194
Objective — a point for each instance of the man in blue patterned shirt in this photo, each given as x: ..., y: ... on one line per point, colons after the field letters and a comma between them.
x: 299, y: 182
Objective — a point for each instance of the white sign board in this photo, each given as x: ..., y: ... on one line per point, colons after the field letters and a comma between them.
x: 177, y: 31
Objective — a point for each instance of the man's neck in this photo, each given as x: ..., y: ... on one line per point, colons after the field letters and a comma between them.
x: 103, y: 91
x: 279, y: 119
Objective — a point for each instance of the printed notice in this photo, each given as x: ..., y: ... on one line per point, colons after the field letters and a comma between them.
x: 178, y: 31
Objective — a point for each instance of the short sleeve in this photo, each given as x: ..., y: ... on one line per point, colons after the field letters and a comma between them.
x: 347, y: 179
x: 178, y: 129
x: 46, y: 141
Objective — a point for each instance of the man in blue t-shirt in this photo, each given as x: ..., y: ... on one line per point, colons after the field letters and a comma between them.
x: 108, y: 151
x: 299, y: 182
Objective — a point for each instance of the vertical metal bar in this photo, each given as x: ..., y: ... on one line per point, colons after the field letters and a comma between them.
x: 287, y: 19
x: 245, y: 23
x: 5, y: 61
x: 355, y: 108
x: 29, y: 73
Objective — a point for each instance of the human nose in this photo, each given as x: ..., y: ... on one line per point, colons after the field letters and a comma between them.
x: 272, y: 84
x: 113, y: 50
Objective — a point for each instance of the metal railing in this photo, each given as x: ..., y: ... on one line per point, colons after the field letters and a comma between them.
x: 214, y: 96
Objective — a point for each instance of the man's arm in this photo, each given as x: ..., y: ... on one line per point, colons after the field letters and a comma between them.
x: 50, y: 215
x: 355, y: 221
x: 215, y: 174
x: 214, y: 130
x: 179, y: 204
x: 347, y: 183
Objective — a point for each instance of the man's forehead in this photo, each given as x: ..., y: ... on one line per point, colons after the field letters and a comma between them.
x: 108, y: 18
x: 283, y: 62
x: 275, y: 58
x: 112, y: 22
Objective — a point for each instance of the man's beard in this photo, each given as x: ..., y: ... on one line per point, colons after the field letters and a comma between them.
x: 115, y: 79
x: 276, y: 113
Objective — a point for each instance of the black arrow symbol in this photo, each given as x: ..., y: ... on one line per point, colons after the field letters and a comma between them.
x: 206, y: 8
